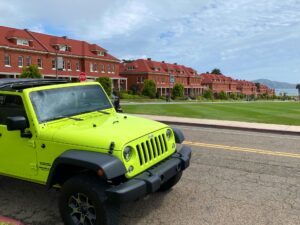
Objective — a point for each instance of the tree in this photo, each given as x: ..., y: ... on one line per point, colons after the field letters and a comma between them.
x: 208, y: 94
x: 222, y: 95
x: 31, y: 71
x: 106, y: 83
x: 149, y: 88
x: 178, y: 90
x: 216, y: 71
x: 298, y: 87
x: 257, y: 85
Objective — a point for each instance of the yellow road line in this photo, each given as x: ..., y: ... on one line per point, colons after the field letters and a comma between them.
x: 240, y: 149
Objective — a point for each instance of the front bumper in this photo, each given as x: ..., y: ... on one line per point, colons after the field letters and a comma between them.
x: 152, y: 179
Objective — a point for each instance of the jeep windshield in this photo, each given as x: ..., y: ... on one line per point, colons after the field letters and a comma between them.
x: 66, y: 102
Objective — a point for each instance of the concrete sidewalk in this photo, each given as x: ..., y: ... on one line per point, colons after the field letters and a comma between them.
x: 258, y: 127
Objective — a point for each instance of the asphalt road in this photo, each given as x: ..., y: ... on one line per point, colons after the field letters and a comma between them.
x: 235, y: 178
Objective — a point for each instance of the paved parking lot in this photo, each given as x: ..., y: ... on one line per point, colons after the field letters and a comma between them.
x: 235, y: 178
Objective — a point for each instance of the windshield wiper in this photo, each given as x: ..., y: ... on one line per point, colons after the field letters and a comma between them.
x: 103, y: 112
x: 62, y: 117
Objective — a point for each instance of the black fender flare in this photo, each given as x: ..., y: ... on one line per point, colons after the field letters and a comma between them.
x: 179, y: 137
x: 93, y: 161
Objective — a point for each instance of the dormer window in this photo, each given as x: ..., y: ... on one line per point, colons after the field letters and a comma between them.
x: 101, y: 53
x: 63, y: 48
x: 130, y: 68
x: 23, y: 42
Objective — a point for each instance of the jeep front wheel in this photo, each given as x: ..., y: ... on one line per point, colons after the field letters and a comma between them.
x: 83, y: 202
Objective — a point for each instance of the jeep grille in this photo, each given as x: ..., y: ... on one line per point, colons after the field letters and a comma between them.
x: 152, y: 148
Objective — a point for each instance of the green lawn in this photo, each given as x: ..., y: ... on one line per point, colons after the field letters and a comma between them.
x: 262, y: 112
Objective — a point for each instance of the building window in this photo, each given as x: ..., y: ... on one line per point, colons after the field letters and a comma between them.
x: 7, y: 60
x: 40, y: 62
x: 28, y: 60
x: 69, y: 66
x: 102, y: 68
x: 113, y: 68
x: 62, y: 48
x: 78, y: 66
x: 101, y: 53
x: 53, y: 64
x: 91, y: 67
x: 130, y: 68
x: 22, y: 42
x: 108, y: 68
x: 95, y: 67
x: 20, y: 61
x: 140, y: 79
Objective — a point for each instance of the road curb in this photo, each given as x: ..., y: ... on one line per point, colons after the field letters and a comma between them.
x: 233, y: 125
x: 233, y: 128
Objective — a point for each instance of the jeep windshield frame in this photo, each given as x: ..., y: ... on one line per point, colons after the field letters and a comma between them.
x: 65, y: 102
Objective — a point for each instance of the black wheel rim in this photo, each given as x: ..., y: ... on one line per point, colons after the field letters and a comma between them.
x: 82, y: 211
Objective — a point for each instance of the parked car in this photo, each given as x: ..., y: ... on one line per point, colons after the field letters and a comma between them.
x: 69, y: 136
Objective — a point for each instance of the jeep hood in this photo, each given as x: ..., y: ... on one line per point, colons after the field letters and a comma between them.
x: 99, y: 130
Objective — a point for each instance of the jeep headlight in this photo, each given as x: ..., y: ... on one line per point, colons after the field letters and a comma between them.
x: 127, y: 153
x: 168, y: 134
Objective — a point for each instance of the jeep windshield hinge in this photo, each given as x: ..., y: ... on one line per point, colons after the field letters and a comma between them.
x: 26, y: 134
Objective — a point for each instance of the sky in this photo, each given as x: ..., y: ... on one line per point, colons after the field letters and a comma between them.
x: 246, y: 39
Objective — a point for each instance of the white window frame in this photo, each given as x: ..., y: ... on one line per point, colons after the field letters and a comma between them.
x: 95, y: 67
x: 7, y: 61
x: 28, y: 63
x: 54, y: 64
x: 91, y: 67
x: 22, y: 61
x: 77, y: 66
x: 102, y: 68
x: 22, y: 42
x: 101, y: 53
x: 40, y: 61
x: 69, y: 65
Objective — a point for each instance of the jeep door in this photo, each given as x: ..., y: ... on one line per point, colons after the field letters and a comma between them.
x: 17, y: 154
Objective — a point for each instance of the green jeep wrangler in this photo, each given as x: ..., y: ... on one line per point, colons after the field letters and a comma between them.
x: 69, y: 136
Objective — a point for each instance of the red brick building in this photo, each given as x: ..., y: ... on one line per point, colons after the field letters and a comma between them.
x: 265, y: 90
x: 161, y: 72
x: 19, y: 48
x: 218, y: 83
x: 246, y: 87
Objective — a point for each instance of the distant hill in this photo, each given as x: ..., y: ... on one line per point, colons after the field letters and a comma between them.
x: 275, y: 84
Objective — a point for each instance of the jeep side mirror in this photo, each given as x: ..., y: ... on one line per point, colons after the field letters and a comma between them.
x: 16, y: 123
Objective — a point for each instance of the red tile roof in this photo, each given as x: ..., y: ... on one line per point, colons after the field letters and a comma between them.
x: 46, y: 43
x: 210, y: 78
x: 150, y: 66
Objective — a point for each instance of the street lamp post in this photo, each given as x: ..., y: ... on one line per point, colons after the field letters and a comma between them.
x: 56, y: 64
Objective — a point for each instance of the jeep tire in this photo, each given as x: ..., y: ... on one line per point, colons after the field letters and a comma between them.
x: 170, y: 183
x: 83, y: 202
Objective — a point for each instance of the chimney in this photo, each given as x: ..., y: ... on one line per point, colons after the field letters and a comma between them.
x: 163, y: 61
x: 26, y: 29
x: 149, y: 59
x: 64, y: 37
x: 175, y: 63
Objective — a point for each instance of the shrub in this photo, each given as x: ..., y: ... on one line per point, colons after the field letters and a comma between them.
x: 208, y: 94
x: 106, y: 84
x: 222, y: 95
x: 31, y: 71
x: 177, y: 91
x: 149, y: 88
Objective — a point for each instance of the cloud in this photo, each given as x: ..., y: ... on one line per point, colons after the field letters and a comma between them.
x: 247, y: 38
